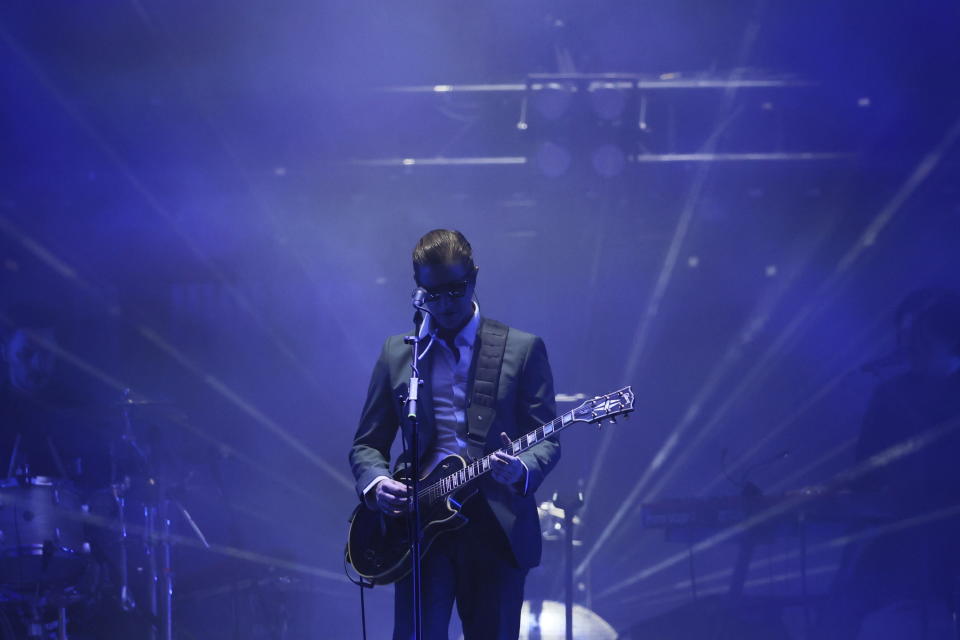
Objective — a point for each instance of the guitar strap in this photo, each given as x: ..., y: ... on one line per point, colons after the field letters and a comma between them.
x: 481, y: 410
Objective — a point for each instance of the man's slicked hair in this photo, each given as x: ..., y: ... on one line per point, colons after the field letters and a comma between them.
x: 442, y: 247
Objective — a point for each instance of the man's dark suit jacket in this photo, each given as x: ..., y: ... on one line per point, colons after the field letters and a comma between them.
x: 525, y: 400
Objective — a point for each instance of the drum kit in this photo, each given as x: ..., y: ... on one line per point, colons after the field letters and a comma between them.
x: 104, y: 552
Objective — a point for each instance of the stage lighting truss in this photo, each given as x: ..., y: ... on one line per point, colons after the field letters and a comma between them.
x: 609, y: 122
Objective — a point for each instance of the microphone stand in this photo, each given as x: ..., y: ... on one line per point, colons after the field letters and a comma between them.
x: 413, y: 484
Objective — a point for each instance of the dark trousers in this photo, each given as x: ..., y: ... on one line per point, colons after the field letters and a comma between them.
x: 473, y: 567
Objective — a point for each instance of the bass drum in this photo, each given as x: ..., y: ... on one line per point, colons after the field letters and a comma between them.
x: 42, y: 542
x: 547, y: 620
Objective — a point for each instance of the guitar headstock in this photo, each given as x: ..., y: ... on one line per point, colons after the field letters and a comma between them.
x: 605, y: 407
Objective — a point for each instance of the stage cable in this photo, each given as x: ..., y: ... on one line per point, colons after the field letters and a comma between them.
x: 363, y: 614
x: 363, y: 584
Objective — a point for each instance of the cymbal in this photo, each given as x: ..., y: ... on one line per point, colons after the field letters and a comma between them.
x: 142, y: 403
x: 138, y: 400
x: 546, y: 619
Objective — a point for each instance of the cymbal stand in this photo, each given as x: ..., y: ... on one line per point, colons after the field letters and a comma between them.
x: 152, y: 577
x: 62, y: 623
x: 157, y: 543
x: 167, y: 584
x: 128, y: 436
x: 160, y: 574
x: 570, y: 505
x: 127, y: 603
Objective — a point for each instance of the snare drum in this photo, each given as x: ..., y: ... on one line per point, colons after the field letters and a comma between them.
x: 41, y: 534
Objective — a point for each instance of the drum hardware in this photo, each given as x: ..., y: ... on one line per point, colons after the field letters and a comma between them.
x: 157, y: 505
x: 150, y: 515
x: 126, y: 599
x: 41, y: 534
x: 48, y: 564
x: 62, y: 623
x: 44, y: 555
x: 35, y: 626
x: 570, y: 503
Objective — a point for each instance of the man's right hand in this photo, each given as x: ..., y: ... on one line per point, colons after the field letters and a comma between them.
x: 390, y: 497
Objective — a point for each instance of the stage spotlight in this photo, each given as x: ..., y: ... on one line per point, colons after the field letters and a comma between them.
x: 553, y: 99
x: 608, y: 160
x: 553, y: 160
x: 608, y: 99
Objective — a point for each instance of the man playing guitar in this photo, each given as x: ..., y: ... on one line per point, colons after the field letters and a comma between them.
x: 482, y: 565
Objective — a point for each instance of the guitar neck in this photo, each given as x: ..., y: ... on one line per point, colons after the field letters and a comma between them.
x: 483, y: 465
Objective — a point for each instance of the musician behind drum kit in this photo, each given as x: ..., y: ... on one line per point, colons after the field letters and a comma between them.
x: 58, y: 458
x: 44, y: 453
x: 40, y: 430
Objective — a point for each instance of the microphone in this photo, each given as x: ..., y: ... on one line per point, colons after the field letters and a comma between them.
x: 421, y: 319
x: 419, y: 297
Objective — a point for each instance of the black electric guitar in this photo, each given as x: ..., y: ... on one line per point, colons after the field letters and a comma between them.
x: 378, y: 546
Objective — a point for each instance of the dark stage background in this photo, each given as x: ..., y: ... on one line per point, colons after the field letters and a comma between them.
x: 221, y: 199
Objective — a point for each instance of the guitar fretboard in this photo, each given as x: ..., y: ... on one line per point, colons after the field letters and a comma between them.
x: 479, y: 467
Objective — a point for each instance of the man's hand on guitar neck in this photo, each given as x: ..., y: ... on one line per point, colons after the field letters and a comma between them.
x: 388, y: 496
x: 507, y: 469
